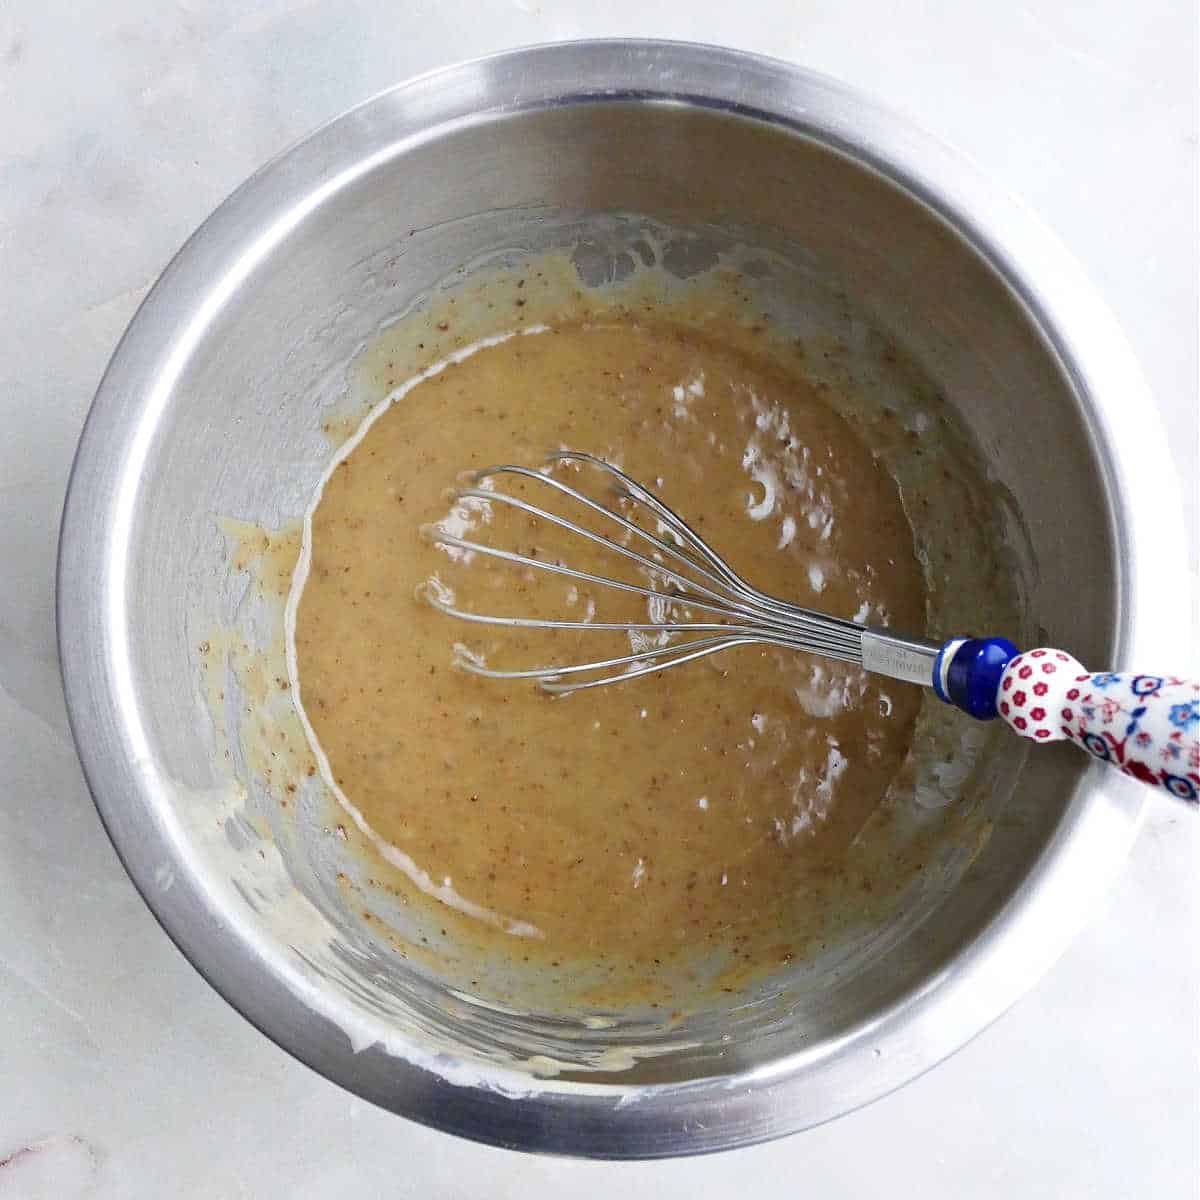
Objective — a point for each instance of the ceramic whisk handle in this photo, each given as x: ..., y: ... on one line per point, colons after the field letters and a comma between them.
x: 1147, y: 726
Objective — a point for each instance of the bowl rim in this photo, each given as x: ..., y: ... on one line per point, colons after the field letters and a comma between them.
x: 496, y: 1105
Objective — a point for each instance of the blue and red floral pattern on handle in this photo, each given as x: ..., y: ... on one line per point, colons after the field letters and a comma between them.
x: 1147, y: 726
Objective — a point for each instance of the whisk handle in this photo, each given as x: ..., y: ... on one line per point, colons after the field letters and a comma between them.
x: 1146, y: 726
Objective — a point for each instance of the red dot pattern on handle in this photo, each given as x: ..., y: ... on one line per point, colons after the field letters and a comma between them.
x: 1031, y: 699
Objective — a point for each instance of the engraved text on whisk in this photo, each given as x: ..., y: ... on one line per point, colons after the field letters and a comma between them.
x: 909, y: 659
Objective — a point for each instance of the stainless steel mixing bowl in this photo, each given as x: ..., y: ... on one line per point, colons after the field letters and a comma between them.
x: 211, y: 405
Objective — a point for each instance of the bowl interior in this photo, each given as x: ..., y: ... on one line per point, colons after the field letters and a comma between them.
x: 230, y: 430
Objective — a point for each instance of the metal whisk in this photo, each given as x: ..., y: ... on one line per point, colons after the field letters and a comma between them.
x: 1044, y: 695
x: 692, y: 574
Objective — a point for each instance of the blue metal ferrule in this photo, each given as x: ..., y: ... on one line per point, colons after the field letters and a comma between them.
x: 967, y: 673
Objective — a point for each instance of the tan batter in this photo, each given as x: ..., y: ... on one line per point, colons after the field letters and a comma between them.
x: 643, y: 822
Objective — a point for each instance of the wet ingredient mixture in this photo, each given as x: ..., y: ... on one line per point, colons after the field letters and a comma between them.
x: 689, y: 815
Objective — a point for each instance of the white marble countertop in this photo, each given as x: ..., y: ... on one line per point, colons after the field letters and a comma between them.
x: 122, y: 1075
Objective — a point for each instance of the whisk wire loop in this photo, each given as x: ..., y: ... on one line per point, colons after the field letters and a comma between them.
x: 688, y: 572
